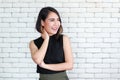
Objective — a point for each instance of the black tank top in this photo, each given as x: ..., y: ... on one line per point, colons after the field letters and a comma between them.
x: 54, y: 54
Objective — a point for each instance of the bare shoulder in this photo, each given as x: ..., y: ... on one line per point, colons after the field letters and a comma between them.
x: 32, y: 44
x: 65, y: 38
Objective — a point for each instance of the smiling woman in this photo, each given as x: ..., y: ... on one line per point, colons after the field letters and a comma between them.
x: 52, y: 50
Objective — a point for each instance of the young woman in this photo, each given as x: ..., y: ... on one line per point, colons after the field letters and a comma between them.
x: 52, y: 50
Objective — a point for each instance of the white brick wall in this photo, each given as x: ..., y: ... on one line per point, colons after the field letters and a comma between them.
x: 92, y: 25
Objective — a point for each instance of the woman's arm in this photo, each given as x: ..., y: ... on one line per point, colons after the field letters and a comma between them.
x: 38, y: 54
x: 68, y: 64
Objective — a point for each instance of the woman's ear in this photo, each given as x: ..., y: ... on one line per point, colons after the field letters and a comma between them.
x: 42, y: 22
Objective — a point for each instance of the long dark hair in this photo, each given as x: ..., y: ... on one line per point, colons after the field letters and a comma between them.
x: 43, y: 14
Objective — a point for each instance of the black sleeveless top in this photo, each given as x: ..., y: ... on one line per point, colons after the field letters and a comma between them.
x: 54, y: 54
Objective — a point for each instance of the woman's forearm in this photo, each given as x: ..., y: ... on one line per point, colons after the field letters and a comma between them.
x: 39, y: 55
x: 58, y: 67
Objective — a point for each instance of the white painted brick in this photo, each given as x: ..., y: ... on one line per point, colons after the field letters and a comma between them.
x: 20, y: 65
x: 84, y: 55
x: 102, y: 25
x: 36, y: 5
x: 79, y: 60
x: 116, y: 15
x: 5, y: 5
x: 88, y: 65
x: 5, y: 45
x: 60, y: 1
x: 95, y: 40
x: 1, y: 10
x: 76, y: 10
x: 76, y: 0
x: 5, y: 15
x: 111, y: 40
x: 4, y: 54
x: 8, y: 1
x: 117, y: 75
x: 31, y: 14
x: 78, y: 50
x: 63, y: 10
x: 94, y: 10
x: 4, y: 75
x: 92, y: 50
x: 86, y: 15
x: 86, y: 75
x: 26, y: 1
x: 23, y: 60
x: 28, y: 10
x: 4, y: 65
x: 20, y: 15
x: 85, y: 24
x: 27, y: 70
x: 85, y: 35
x: 116, y: 5
x: 10, y: 40
x: 72, y: 5
x: 102, y: 15
x: 102, y: 45
x: 93, y: 19
x: 18, y: 75
x: 102, y: 75
x: 6, y: 30
x: 110, y: 50
x: 94, y: 60
x: 19, y: 45
x: 110, y: 60
x: 73, y: 20
x: 87, y: 5
x: 101, y: 35
x: 102, y: 65
x: 115, y: 65
x: 10, y: 60
x: 17, y: 55
x: 111, y: 10
x: 94, y: 71
x: 76, y: 30
x: 18, y: 25
x: 113, y: 30
x: 93, y: 30
x: 109, y: 20
x: 111, y: 1
x: 9, y: 20
x: 101, y: 55
x: 104, y: 5
x: 11, y: 70
x: 110, y: 70
x: 12, y: 10
x: 19, y: 5
x: 85, y: 45
x: 4, y: 35
x: 115, y: 45
x: 78, y: 40
x: 94, y: 0
x: 26, y: 19
x: 54, y: 4
x: 23, y: 50
x: 42, y: 1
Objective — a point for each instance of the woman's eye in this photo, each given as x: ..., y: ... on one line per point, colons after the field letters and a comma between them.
x: 51, y: 19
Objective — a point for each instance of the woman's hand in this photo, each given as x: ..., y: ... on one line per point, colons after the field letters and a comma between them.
x: 45, y: 35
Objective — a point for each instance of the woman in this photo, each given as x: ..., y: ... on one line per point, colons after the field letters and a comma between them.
x: 52, y: 51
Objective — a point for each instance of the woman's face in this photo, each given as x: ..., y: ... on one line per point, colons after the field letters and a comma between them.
x: 51, y: 23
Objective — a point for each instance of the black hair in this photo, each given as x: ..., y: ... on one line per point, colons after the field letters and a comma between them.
x: 43, y: 14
